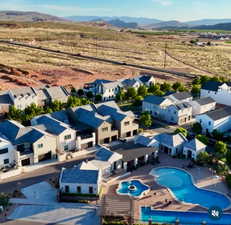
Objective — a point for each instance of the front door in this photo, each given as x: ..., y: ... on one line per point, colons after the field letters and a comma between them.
x: 189, y: 155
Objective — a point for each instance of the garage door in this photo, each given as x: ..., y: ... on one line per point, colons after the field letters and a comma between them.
x: 26, y: 162
x: 46, y: 156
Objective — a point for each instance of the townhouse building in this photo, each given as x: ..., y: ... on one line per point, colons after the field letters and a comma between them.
x: 64, y: 134
x: 220, y: 92
x: 219, y: 119
x: 31, y: 144
x: 202, y: 105
x: 168, y: 110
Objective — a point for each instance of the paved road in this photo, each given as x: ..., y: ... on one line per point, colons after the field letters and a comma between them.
x: 39, y: 175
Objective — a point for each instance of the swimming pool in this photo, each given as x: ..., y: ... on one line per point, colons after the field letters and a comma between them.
x: 180, y: 183
x: 134, y: 188
x: 184, y: 217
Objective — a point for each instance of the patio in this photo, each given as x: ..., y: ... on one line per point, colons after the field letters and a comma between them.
x: 159, y: 197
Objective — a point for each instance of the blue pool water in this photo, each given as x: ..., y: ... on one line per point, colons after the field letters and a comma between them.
x: 181, y: 185
x: 195, y: 218
x: 133, y: 188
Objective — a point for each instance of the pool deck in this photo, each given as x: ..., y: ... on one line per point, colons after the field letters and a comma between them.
x: 159, y: 196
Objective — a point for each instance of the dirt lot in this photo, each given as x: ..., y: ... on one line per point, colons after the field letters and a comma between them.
x: 93, y: 40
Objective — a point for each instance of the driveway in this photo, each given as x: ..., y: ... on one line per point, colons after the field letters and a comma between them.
x: 40, y: 206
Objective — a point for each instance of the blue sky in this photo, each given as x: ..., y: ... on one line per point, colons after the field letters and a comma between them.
x: 182, y: 10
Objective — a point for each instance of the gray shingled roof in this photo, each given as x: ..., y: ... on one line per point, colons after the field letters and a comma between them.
x: 157, y: 100
x: 56, y: 92
x: 5, y: 99
x: 104, y: 154
x: 76, y: 175
x: 183, y: 105
x: 61, y: 116
x: 182, y: 95
x: 205, y: 101
x: 219, y: 113
x: 19, y: 134
x: 195, y: 144
x: 172, y: 140
x: 145, y: 78
x: 50, y: 125
x: 22, y: 91
x: 211, y: 85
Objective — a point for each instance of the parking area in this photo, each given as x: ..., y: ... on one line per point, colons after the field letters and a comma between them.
x: 40, y: 206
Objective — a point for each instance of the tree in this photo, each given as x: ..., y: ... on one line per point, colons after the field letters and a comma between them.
x: 80, y: 92
x: 142, y: 91
x: 73, y: 101
x: 217, y: 135
x: 196, y: 90
x: 146, y: 119
x: 56, y: 106
x: 159, y: 93
x: 131, y: 93
x: 221, y: 149
x: 203, y: 139
x: 197, y: 128
x: 177, y: 86
x: 181, y: 130
x: 98, y: 98
x: 203, y: 158
x: 90, y: 95
x: 166, y: 87
x: 138, y: 101
x: 121, y: 96
x: 153, y: 88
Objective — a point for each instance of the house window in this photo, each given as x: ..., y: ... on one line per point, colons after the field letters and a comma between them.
x: 65, y: 147
x: 6, y: 161
x: 67, y: 137
x: 105, y: 129
x: 90, y: 190
x: 4, y: 151
x: 209, y: 123
x: 127, y: 123
x: 79, y: 189
x: 40, y: 145
x: 67, y: 189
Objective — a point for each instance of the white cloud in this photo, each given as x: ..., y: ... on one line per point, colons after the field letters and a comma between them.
x: 163, y: 2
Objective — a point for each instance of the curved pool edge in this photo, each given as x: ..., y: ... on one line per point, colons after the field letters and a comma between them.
x: 193, y: 182
x: 128, y: 194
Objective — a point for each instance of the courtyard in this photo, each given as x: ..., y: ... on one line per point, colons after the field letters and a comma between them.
x: 159, y: 198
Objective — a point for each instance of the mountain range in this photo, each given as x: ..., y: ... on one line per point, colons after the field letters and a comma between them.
x: 122, y: 22
x: 27, y: 16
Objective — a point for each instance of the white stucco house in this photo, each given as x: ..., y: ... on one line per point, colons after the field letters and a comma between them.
x: 7, y: 152
x: 193, y: 148
x: 65, y: 135
x: 203, y: 105
x: 172, y: 144
x: 168, y: 110
x: 146, y: 79
x: 110, y: 90
x: 81, y: 179
x: 219, y: 120
x: 179, y: 113
x: 107, y: 161
x: 220, y: 92
x: 156, y: 106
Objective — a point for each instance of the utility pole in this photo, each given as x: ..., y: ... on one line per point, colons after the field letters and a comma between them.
x: 165, y: 55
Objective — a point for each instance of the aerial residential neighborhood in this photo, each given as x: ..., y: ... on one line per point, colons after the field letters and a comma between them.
x: 115, y: 112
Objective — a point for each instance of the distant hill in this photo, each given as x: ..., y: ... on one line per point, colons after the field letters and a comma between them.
x: 138, y: 20
x: 208, y: 22
x: 122, y: 24
x: 220, y: 26
x: 27, y: 16
x: 174, y: 24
